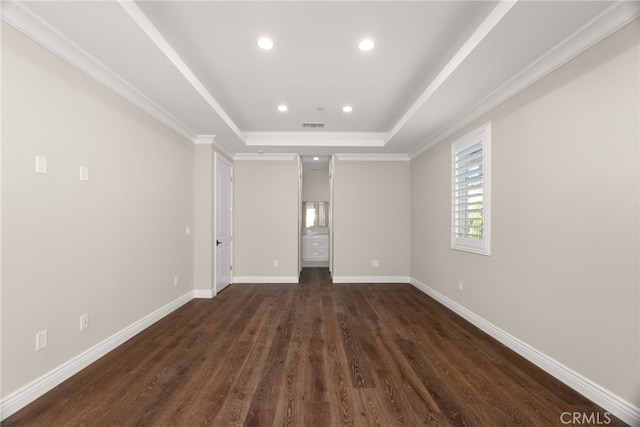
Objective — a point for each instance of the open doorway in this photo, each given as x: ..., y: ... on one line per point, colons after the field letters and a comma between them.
x: 316, y: 206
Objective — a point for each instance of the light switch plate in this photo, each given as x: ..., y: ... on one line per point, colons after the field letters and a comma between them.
x: 84, y: 173
x: 41, y: 340
x: 41, y: 164
x: 84, y: 322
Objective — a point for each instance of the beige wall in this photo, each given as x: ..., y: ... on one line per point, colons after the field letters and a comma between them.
x: 563, y: 275
x: 315, y: 186
x: 371, y: 218
x: 265, y: 218
x: 109, y: 247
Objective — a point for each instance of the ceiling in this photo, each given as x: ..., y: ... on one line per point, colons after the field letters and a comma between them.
x: 435, y: 67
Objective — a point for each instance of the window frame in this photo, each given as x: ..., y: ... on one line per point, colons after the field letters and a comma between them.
x: 481, y: 245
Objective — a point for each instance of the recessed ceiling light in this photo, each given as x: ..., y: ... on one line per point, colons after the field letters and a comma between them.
x: 282, y: 108
x: 366, y: 44
x: 347, y: 108
x: 265, y: 43
x: 316, y: 158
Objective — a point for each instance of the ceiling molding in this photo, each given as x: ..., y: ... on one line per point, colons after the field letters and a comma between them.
x: 489, y: 23
x: 24, y: 20
x: 223, y: 149
x: 609, y: 21
x: 152, y: 32
x: 316, y: 139
x: 204, y: 140
x: 21, y: 17
x: 372, y: 157
x: 264, y: 156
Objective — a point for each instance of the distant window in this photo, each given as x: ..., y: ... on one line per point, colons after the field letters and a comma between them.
x: 470, y: 179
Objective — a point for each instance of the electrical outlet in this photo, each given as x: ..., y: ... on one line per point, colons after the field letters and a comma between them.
x: 84, y: 322
x: 176, y: 280
x: 41, y: 340
x: 460, y: 285
x: 275, y: 263
x: 375, y: 263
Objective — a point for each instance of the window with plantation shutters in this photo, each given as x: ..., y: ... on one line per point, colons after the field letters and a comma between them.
x: 470, y: 213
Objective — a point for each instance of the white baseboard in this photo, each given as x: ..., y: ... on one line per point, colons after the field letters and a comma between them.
x: 20, y: 398
x: 371, y: 279
x: 619, y: 407
x: 265, y: 279
x: 315, y: 263
x: 204, y: 293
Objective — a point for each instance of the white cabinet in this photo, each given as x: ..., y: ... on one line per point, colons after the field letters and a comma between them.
x: 315, y: 250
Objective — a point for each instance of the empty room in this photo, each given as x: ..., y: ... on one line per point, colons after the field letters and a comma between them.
x: 320, y: 213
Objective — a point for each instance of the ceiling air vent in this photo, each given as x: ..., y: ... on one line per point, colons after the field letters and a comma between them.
x: 312, y: 125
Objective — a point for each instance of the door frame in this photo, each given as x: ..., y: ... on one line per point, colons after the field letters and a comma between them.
x: 332, y: 162
x: 300, y: 183
x: 217, y: 156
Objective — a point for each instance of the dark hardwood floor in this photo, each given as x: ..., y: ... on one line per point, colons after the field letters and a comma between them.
x: 314, y: 354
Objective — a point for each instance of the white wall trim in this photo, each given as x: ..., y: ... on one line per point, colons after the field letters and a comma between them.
x: 485, y: 28
x: 18, y: 399
x: 264, y: 156
x: 204, y: 293
x: 371, y: 279
x: 265, y: 279
x: 355, y: 157
x: 619, y: 407
x: 204, y: 140
x: 609, y: 21
x: 24, y: 20
x: 223, y: 149
x: 316, y: 139
x: 156, y: 37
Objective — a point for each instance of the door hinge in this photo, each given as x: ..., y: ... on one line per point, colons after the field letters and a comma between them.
x: 231, y: 268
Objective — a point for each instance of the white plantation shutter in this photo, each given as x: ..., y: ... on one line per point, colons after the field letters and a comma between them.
x: 470, y: 192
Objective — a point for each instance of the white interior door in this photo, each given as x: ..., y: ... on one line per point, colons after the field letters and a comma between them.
x: 223, y: 226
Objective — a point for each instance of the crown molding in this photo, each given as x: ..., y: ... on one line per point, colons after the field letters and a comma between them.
x: 21, y: 18
x: 223, y: 149
x: 205, y: 140
x: 486, y: 27
x: 356, y: 157
x: 606, y: 23
x: 154, y: 35
x: 265, y: 156
x: 316, y: 139
x: 215, y: 143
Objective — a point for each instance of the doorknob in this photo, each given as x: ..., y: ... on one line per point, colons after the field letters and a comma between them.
x: 218, y: 242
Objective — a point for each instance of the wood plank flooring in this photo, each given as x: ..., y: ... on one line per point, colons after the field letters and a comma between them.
x: 313, y: 354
